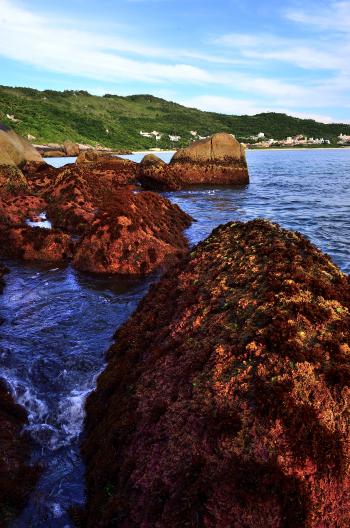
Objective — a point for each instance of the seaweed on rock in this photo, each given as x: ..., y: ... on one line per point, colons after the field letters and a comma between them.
x: 225, y: 400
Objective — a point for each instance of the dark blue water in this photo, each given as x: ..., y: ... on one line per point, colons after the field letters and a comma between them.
x: 58, y: 322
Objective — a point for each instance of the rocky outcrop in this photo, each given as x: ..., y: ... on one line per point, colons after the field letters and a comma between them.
x: 92, y: 155
x: 79, y: 189
x: 218, y: 160
x: 15, y: 151
x: 17, y: 478
x: 135, y: 234
x: 225, y: 398
x: 71, y: 149
x: 54, y: 154
x: 155, y: 175
x: 97, y: 217
x: 35, y: 243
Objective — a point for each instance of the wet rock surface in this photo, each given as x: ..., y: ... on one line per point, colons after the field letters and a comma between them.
x: 225, y: 398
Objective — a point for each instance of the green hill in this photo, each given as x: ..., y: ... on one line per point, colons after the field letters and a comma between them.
x: 52, y: 116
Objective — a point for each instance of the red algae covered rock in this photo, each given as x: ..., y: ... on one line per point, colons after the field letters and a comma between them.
x: 79, y: 190
x: 225, y: 400
x: 35, y: 243
x: 136, y: 233
x: 39, y: 175
x: 17, y: 478
x: 15, y: 210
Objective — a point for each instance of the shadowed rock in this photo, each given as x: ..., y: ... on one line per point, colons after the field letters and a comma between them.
x: 156, y: 176
x: 225, y: 398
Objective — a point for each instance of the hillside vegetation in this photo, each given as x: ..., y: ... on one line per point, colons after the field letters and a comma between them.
x: 115, y: 121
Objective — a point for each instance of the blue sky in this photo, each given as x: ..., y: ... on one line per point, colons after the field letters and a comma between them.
x: 231, y: 56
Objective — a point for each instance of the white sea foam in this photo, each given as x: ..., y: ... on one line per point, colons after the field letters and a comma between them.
x: 45, y: 223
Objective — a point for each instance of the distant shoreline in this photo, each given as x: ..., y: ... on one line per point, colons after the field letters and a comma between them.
x: 300, y: 148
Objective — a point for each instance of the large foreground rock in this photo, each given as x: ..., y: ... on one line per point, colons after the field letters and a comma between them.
x: 218, y: 160
x: 225, y: 401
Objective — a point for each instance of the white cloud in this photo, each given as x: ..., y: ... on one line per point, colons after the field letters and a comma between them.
x: 230, y: 105
x: 335, y: 17
x: 299, y: 52
x: 37, y: 40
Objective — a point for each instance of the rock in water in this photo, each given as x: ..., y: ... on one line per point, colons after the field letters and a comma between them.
x: 217, y: 160
x: 225, y: 401
x: 135, y: 234
x: 71, y: 149
x: 156, y: 176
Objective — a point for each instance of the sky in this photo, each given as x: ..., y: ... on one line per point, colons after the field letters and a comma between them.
x: 229, y: 56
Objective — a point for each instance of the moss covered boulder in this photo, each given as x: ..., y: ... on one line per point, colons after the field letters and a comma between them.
x: 225, y: 400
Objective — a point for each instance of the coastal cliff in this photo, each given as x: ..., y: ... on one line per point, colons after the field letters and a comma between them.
x: 225, y: 398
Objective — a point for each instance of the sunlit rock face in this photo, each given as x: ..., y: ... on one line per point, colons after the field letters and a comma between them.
x: 226, y: 395
x: 15, y: 151
x: 134, y: 234
x: 217, y: 160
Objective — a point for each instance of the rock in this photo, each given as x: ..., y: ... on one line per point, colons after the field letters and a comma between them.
x: 39, y: 175
x: 71, y: 149
x: 92, y: 155
x: 17, y: 477
x: 14, y: 211
x: 97, y: 155
x: 54, y: 154
x: 134, y: 234
x: 15, y: 151
x: 35, y: 244
x: 80, y: 189
x: 225, y: 400
x: 218, y: 160
x: 156, y: 176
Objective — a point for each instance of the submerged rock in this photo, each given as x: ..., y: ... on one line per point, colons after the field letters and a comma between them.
x: 135, y: 234
x: 225, y: 400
